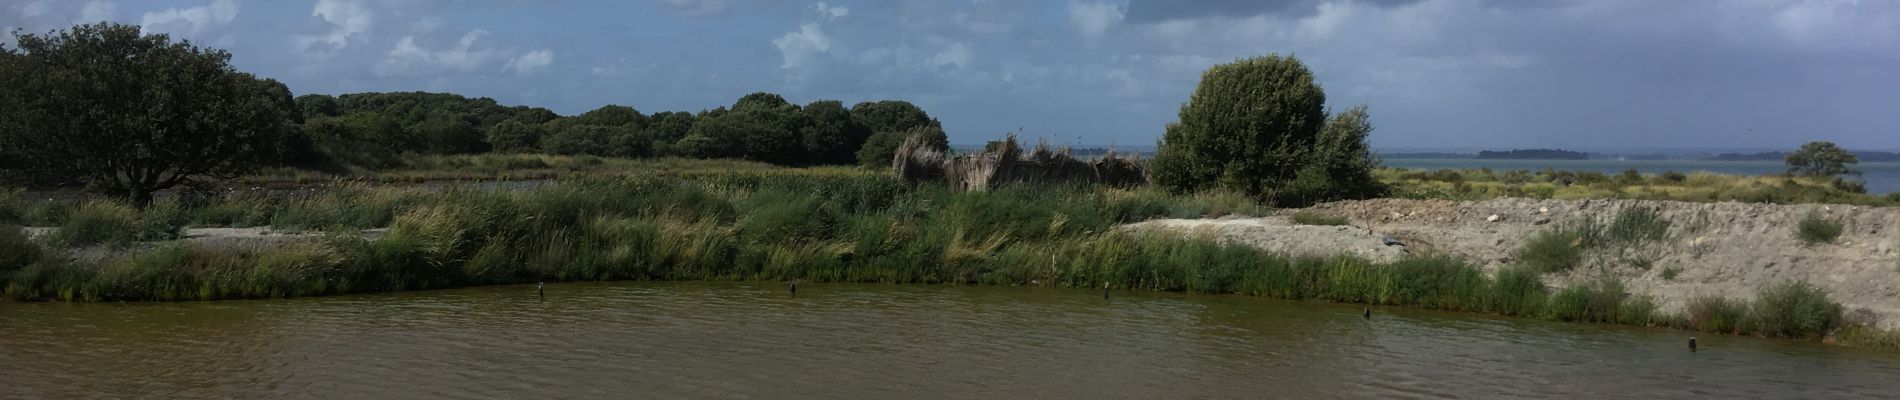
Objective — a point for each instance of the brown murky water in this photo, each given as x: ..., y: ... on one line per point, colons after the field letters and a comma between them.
x: 736, y: 341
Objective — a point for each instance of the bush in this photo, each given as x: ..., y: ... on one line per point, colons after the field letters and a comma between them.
x: 162, y: 221
x: 16, y: 252
x: 1717, y: 314
x: 1316, y: 218
x: 1601, y: 301
x: 1553, y: 250
x: 99, y: 221
x: 1517, y: 291
x: 1816, y: 229
x: 1795, y: 309
x: 1635, y: 226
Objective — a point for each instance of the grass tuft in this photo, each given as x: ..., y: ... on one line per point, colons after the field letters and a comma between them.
x: 1317, y: 218
x: 1815, y: 229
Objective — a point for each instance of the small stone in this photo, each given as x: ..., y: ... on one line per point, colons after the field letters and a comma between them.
x: 1543, y: 210
x: 1492, y: 218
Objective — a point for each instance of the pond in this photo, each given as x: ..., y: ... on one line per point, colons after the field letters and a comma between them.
x: 736, y: 340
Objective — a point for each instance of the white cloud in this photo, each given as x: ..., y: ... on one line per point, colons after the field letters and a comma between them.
x: 696, y: 7
x: 1326, y: 21
x: 957, y: 54
x: 800, y: 48
x: 96, y: 11
x: 831, y: 12
x: 33, y: 10
x: 529, y: 62
x: 191, y: 21
x: 351, y: 20
x: 408, y: 57
x: 428, y: 24
x: 1094, y: 19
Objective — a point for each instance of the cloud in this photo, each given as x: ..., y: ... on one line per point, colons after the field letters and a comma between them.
x: 1326, y: 20
x: 800, y: 48
x: 408, y: 57
x: 695, y: 7
x: 96, y: 11
x: 33, y: 10
x: 350, y: 20
x: 831, y: 12
x: 191, y: 21
x: 1094, y: 19
x: 530, y: 62
x: 1149, y: 11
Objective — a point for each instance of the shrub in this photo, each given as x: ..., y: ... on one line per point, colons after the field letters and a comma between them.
x: 16, y: 251
x: 1517, y: 291
x: 1635, y: 226
x: 99, y: 221
x: 1553, y: 250
x: 1717, y: 314
x: 1316, y: 218
x: 1795, y: 309
x: 162, y: 221
x: 13, y: 206
x: 1600, y: 301
x: 1816, y: 229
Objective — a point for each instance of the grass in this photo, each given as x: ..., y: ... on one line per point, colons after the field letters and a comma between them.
x: 1816, y: 229
x: 1316, y: 218
x: 1717, y: 314
x: 1480, y: 184
x: 827, y: 225
x: 99, y: 222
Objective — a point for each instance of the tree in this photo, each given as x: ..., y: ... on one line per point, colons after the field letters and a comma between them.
x: 1340, y: 164
x: 315, y: 105
x: 130, y: 114
x: 599, y: 140
x: 361, y: 139
x: 611, y: 115
x: 891, y: 116
x: 667, y: 128
x: 514, y: 136
x: 449, y: 135
x: 882, y: 146
x: 761, y: 101
x: 1821, y: 158
x: 1246, y: 128
x: 832, y: 137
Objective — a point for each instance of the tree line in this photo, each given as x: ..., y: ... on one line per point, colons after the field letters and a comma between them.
x: 129, y: 113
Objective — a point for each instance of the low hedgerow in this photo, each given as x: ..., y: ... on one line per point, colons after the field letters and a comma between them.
x: 1317, y: 218
x: 1816, y: 229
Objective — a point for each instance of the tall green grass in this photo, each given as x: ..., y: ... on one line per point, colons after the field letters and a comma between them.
x: 1316, y: 218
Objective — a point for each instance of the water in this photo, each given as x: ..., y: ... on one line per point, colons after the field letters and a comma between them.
x: 1881, y: 177
x: 696, y: 340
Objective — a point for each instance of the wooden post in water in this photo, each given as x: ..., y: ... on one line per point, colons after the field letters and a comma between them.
x: 1368, y: 312
x: 542, y: 289
x: 1692, y: 344
x: 793, y: 287
x: 1104, y: 290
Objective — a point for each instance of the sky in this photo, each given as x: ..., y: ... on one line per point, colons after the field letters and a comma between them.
x: 1434, y: 73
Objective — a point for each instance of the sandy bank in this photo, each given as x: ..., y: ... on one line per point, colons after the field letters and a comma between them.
x: 1727, y: 249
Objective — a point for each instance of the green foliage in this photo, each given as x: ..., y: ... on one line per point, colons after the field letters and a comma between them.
x: 162, y: 221
x: 1602, y: 301
x: 1717, y: 314
x: 131, y: 113
x: 833, y: 136
x: 1636, y: 226
x: 1821, y: 158
x: 99, y: 221
x: 1316, y: 218
x: 1553, y: 250
x: 447, y: 135
x: 16, y: 252
x: 881, y: 147
x: 1518, y: 291
x: 1817, y: 229
x: 892, y: 116
x: 514, y: 137
x: 318, y: 105
x: 1259, y: 126
x: 1795, y: 309
x: 598, y: 140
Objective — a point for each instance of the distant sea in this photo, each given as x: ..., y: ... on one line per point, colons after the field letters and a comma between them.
x: 1881, y: 177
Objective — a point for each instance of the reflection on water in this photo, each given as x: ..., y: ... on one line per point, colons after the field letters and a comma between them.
x: 865, y: 341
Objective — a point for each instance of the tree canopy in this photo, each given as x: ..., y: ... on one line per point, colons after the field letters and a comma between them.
x: 1256, y: 126
x: 130, y: 113
x: 1821, y: 158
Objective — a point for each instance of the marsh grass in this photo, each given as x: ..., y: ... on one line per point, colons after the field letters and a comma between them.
x: 1817, y: 229
x: 99, y: 222
x: 1317, y: 218
x: 1481, y: 184
x: 1795, y: 309
x: 1717, y: 314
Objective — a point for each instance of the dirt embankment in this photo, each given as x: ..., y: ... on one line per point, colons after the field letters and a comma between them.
x: 1727, y: 249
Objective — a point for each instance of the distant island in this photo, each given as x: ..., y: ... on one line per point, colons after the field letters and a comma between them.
x: 1533, y: 154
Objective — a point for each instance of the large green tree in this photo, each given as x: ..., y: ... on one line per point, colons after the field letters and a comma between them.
x: 832, y: 137
x: 131, y: 113
x: 1255, y: 126
x: 889, y: 122
x: 1821, y: 158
